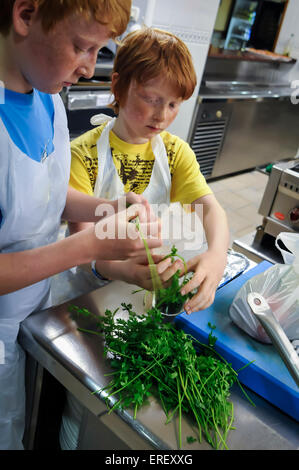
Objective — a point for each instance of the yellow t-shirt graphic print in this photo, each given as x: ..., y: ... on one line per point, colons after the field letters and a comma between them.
x: 134, y: 165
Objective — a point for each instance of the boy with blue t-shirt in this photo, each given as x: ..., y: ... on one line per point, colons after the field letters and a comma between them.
x: 44, y: 46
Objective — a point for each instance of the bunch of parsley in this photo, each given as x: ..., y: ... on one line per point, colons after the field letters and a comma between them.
x: 150, y: 357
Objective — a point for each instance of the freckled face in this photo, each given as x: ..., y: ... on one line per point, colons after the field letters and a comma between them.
x: 148, y: 110
x: 50, y: 61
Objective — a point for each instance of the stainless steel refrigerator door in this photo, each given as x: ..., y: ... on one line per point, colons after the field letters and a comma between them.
x: 259, y: 131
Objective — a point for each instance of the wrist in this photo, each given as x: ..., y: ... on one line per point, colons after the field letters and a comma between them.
x: 96, y: 272
x: 218, y: 258
x: 119, y: 204
x: 85, y: 246
x: 219, y: 250
x: 113, y: 270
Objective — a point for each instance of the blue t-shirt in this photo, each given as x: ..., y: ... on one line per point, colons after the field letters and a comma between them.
x: 29, y: 121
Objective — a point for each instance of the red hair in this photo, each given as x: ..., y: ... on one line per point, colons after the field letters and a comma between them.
x: 144, y: 54
x: 114, y: 13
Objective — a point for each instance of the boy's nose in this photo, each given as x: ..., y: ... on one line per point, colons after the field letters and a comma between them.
x: 86, y: 70
x: 160, y: 113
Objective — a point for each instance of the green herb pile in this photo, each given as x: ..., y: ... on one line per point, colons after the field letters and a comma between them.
x: 149, y: 357
x: 170, y: 300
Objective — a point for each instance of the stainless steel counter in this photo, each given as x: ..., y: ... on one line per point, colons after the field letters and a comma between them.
x: 258, y: 249
x: 75, y: 359
x: 243, y: 90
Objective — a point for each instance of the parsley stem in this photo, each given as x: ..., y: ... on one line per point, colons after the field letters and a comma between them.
x: 218, y: 432
x: 84, y: 330
x: 209, y: 378
x: 171, y: 414
x: 161, y: 381
x: 135, y: 410
x: 157, y: 284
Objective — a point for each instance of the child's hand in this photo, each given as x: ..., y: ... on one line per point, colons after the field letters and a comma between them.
x: 208, y: 270
x: 170, y: 269
x: 131, y: 198
x: 115, y: 237
x: 133, y: 271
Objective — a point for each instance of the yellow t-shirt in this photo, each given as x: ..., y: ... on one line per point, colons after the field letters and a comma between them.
x: 134, y: 164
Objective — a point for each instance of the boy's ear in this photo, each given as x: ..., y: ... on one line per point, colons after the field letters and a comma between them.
x: 114, y: 78
x: 23, y: 15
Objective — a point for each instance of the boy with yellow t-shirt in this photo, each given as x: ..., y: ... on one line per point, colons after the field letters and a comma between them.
x: 153, y: 74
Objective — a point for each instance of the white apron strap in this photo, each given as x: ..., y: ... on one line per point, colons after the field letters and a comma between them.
x: 99, y: 119
x: 104, y: 159
x: 161, y: 166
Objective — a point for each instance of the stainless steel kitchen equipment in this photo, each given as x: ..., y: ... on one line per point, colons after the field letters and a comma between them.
x: 280, y: 210
x: 262, y: 311
x: 280, y: 202
x: 240, y: 125
x: 84, y: 101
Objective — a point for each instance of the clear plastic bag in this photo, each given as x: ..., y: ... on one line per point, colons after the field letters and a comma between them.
x: 279, y: 285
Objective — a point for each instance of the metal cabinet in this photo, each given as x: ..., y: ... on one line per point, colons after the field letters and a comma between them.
x: 233, y: 133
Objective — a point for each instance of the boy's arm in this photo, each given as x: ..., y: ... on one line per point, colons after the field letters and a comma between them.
x: 136, y: 270
x: 80, y: 178
x: 209, y: 266
x: 215, y: 223
x: 21, y: 269
x: 82, y: 207
x: 188, y: 184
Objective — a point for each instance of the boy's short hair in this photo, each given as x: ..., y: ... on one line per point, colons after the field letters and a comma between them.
x: 114, y: 13
x: 146, y: 53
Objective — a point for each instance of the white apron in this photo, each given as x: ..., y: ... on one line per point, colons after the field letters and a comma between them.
x: 109, y: 185
x: 32, y: 198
